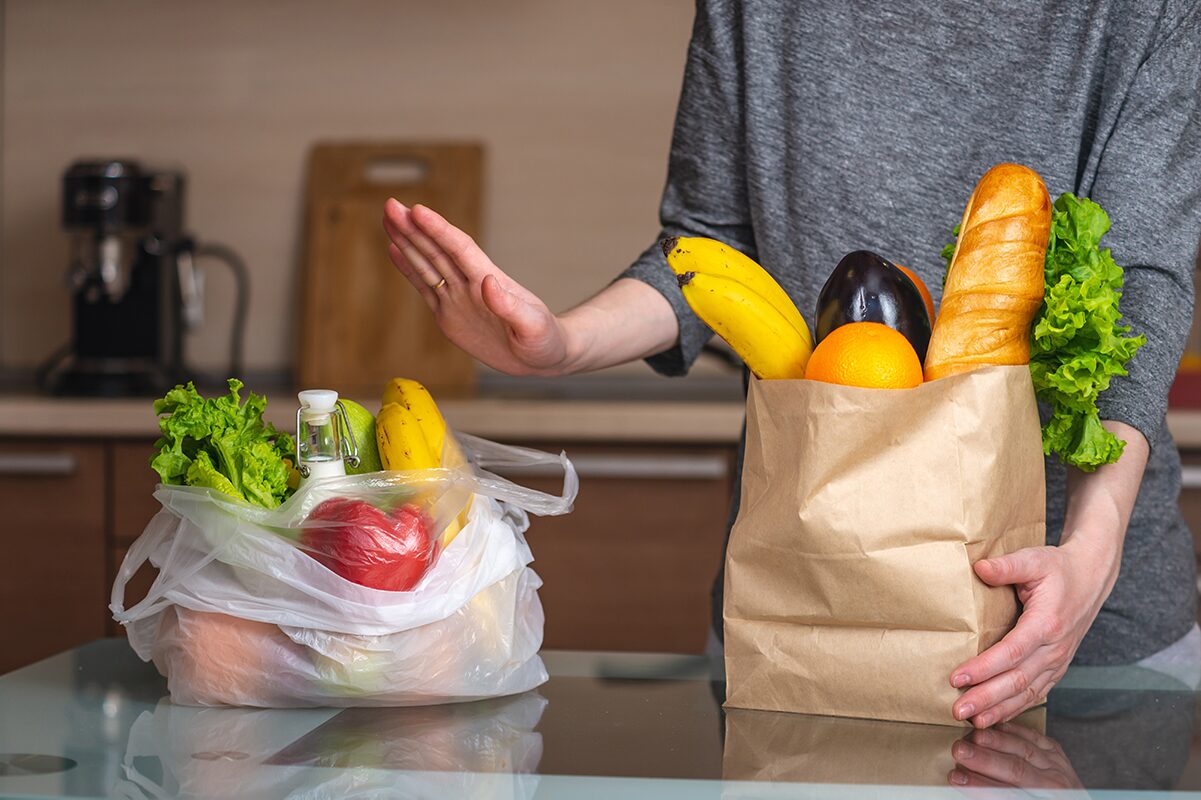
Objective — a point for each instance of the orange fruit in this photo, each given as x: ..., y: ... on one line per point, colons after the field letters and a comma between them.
x: 865, y: 354
x: 921, y: 287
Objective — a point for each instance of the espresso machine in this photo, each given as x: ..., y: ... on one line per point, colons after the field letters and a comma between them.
x: 135, y: 282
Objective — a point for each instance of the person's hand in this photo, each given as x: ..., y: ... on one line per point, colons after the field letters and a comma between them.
x: 1011, y: 756
x: 1061, y: 590
x: 478, y: 307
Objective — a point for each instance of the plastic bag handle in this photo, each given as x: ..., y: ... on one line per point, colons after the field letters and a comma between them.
x: 483, y: 454
x: 155, y: 599
x: 137, y: 555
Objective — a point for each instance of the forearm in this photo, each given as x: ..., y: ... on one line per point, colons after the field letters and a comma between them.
x: 1099, y: 504
x: 626, y: 321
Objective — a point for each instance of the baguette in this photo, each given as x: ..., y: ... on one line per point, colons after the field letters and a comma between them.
x: 994, y: 285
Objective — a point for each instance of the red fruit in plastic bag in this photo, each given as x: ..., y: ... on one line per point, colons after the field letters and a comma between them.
x: 368, y: 546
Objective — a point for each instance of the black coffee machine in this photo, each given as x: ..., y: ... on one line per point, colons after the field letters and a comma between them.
x: 135, y: 283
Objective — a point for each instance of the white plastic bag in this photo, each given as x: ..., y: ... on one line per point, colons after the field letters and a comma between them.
x: 240, y: 614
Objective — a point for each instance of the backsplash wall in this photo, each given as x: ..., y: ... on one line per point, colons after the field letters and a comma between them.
x: 574, y: 102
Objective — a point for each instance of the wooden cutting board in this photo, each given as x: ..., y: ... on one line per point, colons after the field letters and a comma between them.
x: 361, y: 322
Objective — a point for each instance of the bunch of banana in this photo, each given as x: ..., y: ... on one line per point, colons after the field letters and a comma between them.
x: 743, y: 304
x: 402, y: 441
x: 411, y: 434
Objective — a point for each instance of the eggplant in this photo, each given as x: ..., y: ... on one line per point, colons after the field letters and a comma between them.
x: 866, y: 287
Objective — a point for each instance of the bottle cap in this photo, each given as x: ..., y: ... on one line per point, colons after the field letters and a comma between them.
x: 317, y: 404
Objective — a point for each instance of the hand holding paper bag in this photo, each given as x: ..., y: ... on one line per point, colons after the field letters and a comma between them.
x: 1061, y: 590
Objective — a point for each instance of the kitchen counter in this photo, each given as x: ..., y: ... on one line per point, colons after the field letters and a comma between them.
x: 511, y: 419
x: 504, y: 416
x: 94, y: 722
x: 703, y: 410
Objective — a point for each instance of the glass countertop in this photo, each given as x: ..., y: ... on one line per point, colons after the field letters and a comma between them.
x: 95, y: 722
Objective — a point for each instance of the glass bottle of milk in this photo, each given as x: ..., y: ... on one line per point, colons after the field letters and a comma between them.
x: 323, y: 441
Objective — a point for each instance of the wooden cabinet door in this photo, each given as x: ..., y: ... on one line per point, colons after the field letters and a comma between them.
x: 133, y: 490
x: 631, y: 567
x: 53, y: 590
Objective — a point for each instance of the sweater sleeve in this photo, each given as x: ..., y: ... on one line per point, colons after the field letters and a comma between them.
x: 1149, y: 181
x: 706, y: 191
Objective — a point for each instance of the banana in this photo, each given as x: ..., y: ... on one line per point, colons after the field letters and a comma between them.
x: 769, y: 344
x: 457, y: 524
x: 711, y: 257
x: 416, y: 399
x: 402, y: 443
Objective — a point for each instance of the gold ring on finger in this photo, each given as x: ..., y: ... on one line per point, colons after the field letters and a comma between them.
x: 438, y: 285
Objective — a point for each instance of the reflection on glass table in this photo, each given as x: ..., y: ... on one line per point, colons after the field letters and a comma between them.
x: 1118, y: 728
x: 1012, y: 756
x: 443, y: 751
x: 95, y: 722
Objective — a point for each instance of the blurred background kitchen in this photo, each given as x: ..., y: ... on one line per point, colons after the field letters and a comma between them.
x: 572, y: 103
x: 267, y: 134
x: 256, y: 141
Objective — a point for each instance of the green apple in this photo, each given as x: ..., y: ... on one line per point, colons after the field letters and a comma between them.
x: 362, y: 428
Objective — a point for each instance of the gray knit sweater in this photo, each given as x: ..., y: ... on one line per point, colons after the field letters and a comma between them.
x: 809, y: 129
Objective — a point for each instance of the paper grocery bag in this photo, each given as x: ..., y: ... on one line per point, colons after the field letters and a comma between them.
x: 770, y: 746
x: 849, y: 584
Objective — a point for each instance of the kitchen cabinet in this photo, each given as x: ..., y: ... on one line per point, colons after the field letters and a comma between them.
x: 629, y: 569
x: 133, y: 489
x: 52, y: 578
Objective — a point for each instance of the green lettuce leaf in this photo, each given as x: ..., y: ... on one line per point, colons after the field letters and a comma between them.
x: 1078, y: 343
x: 203, y: 473
x: 223, y: 444
x: 948, y: 253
